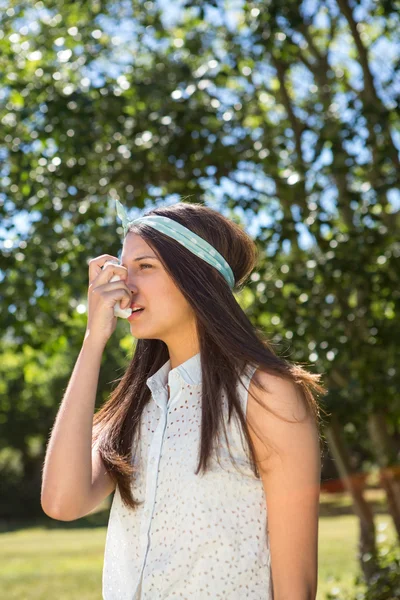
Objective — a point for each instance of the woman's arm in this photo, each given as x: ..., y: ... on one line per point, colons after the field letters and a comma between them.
x: 291, y: 480
x: 67, y: 472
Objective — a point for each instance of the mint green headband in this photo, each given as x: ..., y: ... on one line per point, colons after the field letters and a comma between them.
x: 184, y: 236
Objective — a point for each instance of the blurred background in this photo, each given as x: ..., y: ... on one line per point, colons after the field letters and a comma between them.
x: 284, y: 117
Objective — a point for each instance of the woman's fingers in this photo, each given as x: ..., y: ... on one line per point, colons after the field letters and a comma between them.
x: 96, y: 266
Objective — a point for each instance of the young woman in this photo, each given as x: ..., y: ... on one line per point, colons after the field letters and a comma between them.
x: 210, y: 440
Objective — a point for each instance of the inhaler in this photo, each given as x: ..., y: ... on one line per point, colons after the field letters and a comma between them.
x: 123, y: 313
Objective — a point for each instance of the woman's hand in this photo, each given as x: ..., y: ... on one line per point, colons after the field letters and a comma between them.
x: 103, y: 294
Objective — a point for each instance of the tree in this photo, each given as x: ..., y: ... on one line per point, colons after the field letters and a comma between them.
x: 288, y: 117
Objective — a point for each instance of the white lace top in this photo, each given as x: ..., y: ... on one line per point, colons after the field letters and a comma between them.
x: 195, y: 537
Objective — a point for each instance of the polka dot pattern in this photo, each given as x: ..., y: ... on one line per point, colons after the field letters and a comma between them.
x: 194, y: 537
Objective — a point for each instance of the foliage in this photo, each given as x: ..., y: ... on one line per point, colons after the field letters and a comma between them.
x: 282, y: 115
x: 384, y: 584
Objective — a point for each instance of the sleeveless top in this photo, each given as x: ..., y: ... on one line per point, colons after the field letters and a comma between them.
x: 194, y: 537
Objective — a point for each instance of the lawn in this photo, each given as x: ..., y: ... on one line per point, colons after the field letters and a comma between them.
x: 63, y: 561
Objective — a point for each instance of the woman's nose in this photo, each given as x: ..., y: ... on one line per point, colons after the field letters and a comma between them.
x: 130, y: 283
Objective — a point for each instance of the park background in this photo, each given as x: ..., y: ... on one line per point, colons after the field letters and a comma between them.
x: 283, y: 116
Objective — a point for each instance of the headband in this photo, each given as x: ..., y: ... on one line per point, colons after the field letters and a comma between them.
x: 184, y: 236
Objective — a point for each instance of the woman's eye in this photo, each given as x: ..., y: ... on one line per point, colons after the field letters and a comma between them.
x: 143, y: 265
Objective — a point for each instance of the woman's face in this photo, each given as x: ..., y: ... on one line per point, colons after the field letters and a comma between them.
x: 166, y: 314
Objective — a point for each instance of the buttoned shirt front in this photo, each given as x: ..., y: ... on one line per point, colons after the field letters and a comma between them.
x: 194, y: 536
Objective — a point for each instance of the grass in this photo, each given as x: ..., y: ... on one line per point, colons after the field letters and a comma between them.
x: 40, y: 563
x: 63, y: 561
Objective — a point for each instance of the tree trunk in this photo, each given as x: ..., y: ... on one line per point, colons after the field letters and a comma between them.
x: 367, y: 551
x: 386, y: 455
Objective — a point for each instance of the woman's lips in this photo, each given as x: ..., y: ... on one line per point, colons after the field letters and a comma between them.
x: 135, y: 314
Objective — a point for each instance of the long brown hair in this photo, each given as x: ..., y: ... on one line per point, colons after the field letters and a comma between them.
x: 228, y: 343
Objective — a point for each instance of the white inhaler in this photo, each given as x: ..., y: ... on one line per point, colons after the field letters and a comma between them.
x: 123, y: 313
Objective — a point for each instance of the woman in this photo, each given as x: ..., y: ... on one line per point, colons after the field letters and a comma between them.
x: 210, y: 440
